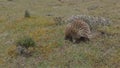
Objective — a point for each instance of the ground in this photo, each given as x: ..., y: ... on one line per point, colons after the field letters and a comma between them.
x: 52, y: 51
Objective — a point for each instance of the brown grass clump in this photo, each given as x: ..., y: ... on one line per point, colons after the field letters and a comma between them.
x: 12, y: 51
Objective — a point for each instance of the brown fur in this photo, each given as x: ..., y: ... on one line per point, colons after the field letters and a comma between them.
x: 77, y: 31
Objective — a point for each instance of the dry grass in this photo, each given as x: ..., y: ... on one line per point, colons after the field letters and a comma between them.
x: 52, y: 51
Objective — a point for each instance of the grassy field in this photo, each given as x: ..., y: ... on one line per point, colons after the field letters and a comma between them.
x: 52, y: 51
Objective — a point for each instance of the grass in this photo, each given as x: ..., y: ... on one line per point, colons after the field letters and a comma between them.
x: 52, y: 51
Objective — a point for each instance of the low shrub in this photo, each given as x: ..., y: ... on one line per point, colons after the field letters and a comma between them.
x: 58, y: 20
x: 25, y: 42
x: 93, y: 21
x: 27, y: 14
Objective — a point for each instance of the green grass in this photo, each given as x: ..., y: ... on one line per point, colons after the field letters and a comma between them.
x: 52, y: 51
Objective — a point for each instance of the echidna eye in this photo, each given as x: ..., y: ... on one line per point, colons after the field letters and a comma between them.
x: 68, y: 38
